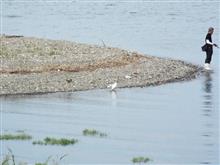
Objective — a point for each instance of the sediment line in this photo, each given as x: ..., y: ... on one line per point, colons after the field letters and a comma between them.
x: 125, y: 60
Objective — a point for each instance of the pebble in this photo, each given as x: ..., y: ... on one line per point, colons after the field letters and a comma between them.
x: 46, y: 75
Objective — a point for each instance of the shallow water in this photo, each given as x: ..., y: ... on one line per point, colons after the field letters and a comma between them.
x: 173, y: 123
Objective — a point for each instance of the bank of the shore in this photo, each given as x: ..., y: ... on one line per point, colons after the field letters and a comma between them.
x: 32, y: 65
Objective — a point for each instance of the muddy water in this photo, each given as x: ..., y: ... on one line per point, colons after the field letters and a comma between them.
x: 173, y: 123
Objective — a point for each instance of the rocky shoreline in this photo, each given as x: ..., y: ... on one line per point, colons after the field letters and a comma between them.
x: 31, y: 66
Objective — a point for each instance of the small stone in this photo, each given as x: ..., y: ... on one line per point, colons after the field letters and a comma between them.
x: 69, y: 80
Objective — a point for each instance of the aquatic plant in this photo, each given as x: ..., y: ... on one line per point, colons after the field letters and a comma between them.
x: 39, y: 142
x: 53, y: 161
x: 102, y: 134
x: 90, y: 132
x: 141, y: 159
x: 93, y: 132
x: 9, y: 159
x: 45, y: 163
x: 6, y: 160
x: 20, y: 136
x: 54, y: 141
x: 40, y: 163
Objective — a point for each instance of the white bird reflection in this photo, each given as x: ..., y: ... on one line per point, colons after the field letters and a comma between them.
x: 114, y: 98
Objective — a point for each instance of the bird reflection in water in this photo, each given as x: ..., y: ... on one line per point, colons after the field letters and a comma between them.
x: 114, y: 98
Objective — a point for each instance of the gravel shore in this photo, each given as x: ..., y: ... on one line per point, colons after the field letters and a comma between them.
x: 32, y: 65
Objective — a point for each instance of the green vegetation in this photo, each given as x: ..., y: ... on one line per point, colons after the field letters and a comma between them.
x: 93, y: 132
x: 20, y: 136
x: 40, y: 163
x: 141, y: 159
x: 51, y: 161
x: 9, y: 159
x: 45, y: 163
x: 53, y: 141
x: 6, y: 160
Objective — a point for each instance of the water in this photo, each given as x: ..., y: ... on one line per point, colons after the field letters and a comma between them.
x: 173, y: 123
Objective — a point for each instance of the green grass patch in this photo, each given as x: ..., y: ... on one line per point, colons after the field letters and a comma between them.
x: 54, y: 141
x: 20, y: 136
x: 93, y: 132
x: 141, y: 159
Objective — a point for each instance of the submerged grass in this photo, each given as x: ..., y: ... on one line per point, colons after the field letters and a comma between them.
x: 141, y: 159
x: 45, y: 163
x: 93, y: 132
x: 9, y: 159
x: 54, y: 141
x: 20, y: 136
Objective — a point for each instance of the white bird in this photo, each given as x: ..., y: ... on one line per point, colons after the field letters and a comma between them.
x: 128, y: 77
x: 112, y: 86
